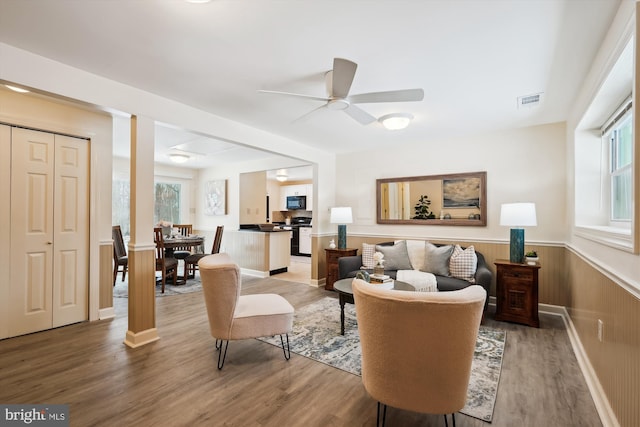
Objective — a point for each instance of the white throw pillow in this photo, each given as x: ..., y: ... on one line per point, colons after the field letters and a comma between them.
x: 416, y: 250
x: 463, y: 263
x: 367, y: 256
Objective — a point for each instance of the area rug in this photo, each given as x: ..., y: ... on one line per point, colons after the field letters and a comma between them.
x: 121, y: 289
x: 316, y: 335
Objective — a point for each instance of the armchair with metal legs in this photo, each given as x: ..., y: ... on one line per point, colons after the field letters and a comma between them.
x: 237, y: 317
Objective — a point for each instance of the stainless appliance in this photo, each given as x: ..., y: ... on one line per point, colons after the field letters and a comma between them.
x: 296, y: 223
x: 296, y: 202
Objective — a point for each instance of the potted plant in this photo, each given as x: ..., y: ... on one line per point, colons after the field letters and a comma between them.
x: 422, y: 208
x: 531, y: 257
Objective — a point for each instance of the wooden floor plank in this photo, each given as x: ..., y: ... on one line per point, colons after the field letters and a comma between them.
x: 174, y: 381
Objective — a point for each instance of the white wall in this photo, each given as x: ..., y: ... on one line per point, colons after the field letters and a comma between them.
x: 622, y: 265
x: 525, y: 164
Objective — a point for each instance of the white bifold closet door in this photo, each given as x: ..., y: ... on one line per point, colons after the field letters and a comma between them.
x: 49, y: 231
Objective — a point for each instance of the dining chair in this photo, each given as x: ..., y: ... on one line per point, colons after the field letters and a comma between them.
x: 191, y: 262
x: 120, y: 258
x: 417, y: 347
x: 182, y: 252
x: 167, y: 266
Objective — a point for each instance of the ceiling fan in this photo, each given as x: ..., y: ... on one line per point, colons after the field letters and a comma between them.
x: 339, y: 81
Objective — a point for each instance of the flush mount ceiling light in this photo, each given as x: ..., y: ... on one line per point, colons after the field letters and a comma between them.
x: 396, y: 121
x: 179, y: 158
x: 17, y: 89
x: 281, y: 175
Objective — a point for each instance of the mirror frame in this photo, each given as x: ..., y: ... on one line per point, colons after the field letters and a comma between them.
x: 436, y: 221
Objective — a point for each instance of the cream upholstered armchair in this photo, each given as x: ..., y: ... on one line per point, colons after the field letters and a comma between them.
x: 236, y: 317
x: 417, y: 347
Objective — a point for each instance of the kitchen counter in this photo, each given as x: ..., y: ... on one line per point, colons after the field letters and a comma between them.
x: 260, y: 253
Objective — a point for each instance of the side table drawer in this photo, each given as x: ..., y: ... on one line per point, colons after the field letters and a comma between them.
x: 517, y: 273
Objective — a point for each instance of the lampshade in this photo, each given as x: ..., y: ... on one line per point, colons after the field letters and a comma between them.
x: 396, y: 121
x: 178, y: 158
x: 518, y: 214
x: 341, y: 215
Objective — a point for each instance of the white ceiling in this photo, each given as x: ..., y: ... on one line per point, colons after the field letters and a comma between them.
x: 473, y: 58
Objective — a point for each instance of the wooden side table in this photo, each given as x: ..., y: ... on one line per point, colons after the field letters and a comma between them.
x: 332, y: 264
x: 517, y: 292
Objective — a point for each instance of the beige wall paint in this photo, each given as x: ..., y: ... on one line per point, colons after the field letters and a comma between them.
x: 526, y: 164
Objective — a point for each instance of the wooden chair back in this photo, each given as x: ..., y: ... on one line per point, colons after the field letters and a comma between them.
x: 217, y: 240
x: 119, y: 249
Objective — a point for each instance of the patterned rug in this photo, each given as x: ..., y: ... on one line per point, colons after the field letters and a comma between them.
x: 316, y: 335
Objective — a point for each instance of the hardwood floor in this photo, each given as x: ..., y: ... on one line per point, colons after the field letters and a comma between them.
x: 175, y: 382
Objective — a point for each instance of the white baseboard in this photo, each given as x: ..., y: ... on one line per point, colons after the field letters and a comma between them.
x: 607, y: 416
x: 106, y: 313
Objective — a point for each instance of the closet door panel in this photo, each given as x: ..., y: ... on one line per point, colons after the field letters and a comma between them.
x: 71, y: 231
x: 32, y: 180
x: 5, y: 220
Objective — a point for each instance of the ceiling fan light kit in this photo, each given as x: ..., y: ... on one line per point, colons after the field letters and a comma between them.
x: 281, y: 175
x: 338, y: 83
x: 396, y: 121
x: 179, y: 158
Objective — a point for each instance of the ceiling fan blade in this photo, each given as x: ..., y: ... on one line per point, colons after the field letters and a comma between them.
x: 305, y: 115
x: 359, y: 115
x: 407, y: 95
x: 343, y: 73
x: 297, y: 95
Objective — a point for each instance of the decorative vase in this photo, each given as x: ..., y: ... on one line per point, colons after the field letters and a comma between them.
x: 332, y: 244
x: 378, y: 269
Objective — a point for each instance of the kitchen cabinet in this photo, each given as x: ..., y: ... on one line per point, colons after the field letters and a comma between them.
x: 294, y: 190
x: 304, y: 243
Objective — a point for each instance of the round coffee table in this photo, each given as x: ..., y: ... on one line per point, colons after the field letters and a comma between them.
x: 345, y: 294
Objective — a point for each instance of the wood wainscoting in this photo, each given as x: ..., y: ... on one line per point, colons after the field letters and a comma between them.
x: 614, y: 360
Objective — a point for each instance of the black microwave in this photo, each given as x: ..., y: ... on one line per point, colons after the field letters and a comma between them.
x: 296, y: 202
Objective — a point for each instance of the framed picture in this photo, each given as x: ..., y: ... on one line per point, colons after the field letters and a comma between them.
x: 215, y: 193
x: 461, y: 192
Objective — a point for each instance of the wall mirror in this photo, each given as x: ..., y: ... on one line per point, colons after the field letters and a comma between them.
x: 453, y: 199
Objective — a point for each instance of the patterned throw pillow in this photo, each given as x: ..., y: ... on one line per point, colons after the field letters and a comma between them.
x: 436, y: 259
x: 367, y: 256
x: 463, y: 263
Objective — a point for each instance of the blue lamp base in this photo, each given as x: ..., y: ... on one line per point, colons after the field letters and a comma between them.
x: 342, y: 236
x: 516, y: 247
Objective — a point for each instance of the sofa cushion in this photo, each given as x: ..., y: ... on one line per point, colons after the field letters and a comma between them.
x: 396, y: 257
x: 367, y: 255
x: 436, y: 259
x: 463, y: 263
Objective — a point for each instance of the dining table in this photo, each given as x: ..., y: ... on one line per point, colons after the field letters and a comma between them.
x: 170, y: 243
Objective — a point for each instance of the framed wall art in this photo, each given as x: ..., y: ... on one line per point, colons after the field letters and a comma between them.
x: 215, y: 193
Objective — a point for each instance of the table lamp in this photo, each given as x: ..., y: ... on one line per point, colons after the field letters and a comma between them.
x: 341, y: 216
x: 517, y: 215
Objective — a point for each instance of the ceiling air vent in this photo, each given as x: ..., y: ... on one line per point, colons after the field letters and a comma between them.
x: 529, y: 101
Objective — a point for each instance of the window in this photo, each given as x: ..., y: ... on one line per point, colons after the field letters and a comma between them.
x: 620, y: 138
x: 120, y: 201
x: 604, y: 160
x: 167, y: 202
